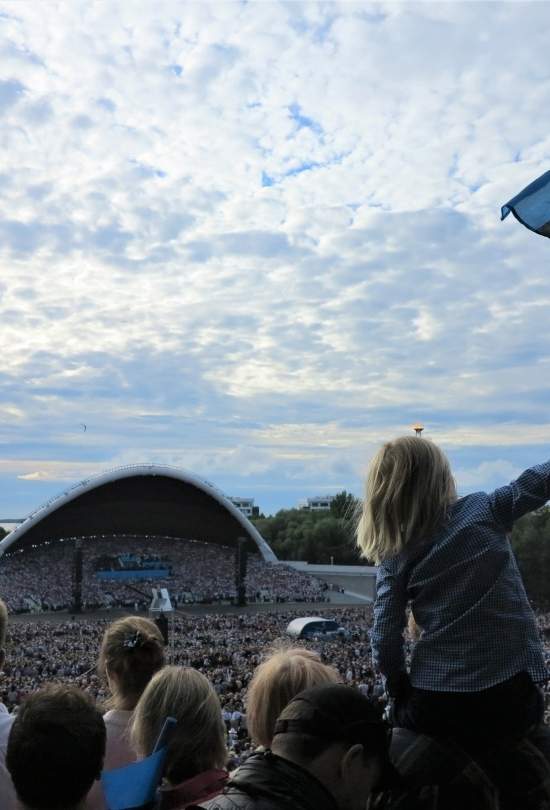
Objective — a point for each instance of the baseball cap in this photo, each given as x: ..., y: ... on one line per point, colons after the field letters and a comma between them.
x: 339, y: 713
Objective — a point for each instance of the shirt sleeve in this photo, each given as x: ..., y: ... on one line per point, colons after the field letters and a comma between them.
x: 529, y: 492
x: 389, y: 622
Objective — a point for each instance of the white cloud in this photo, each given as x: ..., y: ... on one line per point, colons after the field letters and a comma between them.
x: 248, y: 219
x: 39, y: 475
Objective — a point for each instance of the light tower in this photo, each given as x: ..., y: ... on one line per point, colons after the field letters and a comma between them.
x: 418, y: 428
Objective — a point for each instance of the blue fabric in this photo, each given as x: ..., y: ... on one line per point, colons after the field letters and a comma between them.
x: 532, y: 206
x: 133, y: 785
x: 467, y: 596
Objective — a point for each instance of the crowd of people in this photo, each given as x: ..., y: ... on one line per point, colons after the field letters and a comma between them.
x: 238, y: 667
x: 41, y: 578
x: 226, y: 648
x: 437, y: 697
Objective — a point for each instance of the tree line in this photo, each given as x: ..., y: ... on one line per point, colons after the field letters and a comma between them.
x: 325, y: 537
x: 314, y: 536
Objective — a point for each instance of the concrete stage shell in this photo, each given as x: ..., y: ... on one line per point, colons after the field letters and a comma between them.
x: 144, y: 499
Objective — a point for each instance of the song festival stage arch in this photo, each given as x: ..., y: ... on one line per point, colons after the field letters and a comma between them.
x: 140, y: 500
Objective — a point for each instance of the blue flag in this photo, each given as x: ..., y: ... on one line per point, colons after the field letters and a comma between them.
x: 532, y: 206
x: 134, y: 785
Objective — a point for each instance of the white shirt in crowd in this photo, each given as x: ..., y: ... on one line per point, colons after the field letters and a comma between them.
x: 7, y: 793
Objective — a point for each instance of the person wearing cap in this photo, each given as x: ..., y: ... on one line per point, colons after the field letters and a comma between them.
x: 329, y: 752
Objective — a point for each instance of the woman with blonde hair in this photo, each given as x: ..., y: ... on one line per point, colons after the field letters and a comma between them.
x: 194, y: 769
x: 277, y: 680
x: 450, y: 559
x: 131, y: 652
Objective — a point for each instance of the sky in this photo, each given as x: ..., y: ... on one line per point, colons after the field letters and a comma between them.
x: 255, y: 240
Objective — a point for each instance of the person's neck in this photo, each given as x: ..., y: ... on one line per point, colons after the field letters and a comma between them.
x: 120, y: 704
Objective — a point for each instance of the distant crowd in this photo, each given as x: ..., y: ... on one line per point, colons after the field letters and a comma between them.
x: 245, y: 671
x: 40, y: 579
x: 226, y: 648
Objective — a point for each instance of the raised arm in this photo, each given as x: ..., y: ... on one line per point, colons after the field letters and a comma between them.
x: 529, y: 492
x: 387, y: 634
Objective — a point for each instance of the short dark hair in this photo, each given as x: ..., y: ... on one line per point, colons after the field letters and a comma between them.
x: 55, y: 748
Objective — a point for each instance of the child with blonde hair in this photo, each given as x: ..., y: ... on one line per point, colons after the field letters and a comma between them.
x: 478, y: 655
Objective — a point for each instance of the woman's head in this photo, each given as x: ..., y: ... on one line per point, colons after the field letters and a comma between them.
x: 197, y: 743
x: 409, y: 487
x: 131, y: 652
x: 276, y: 681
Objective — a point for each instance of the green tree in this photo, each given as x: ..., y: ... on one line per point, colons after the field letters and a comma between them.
x: 345, y: 505
x: 531, y: 544
x: 316, y: 537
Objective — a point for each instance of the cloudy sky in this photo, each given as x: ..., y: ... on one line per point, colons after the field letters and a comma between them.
x: 253, y: 240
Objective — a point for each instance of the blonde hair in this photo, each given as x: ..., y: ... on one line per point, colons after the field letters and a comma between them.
x: 408, y: 490
x: 198, y: 740
x: 284, y: 674
x: 131, y: 652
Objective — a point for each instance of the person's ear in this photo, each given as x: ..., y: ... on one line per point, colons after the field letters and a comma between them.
x: 359, y: 774
x: 351, y: 759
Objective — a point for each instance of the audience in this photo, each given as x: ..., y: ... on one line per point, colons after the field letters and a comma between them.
x: 329, y: 752
x: 131, y: 652
x: 37, y: 579
x: 276, y: 681
x: 197, y: 753
x: 228, y: 668
x: 55, y: 749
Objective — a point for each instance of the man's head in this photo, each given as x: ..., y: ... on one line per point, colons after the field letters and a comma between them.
x: 339, y: 736
x: 3, y: 631
x: 55, y: 748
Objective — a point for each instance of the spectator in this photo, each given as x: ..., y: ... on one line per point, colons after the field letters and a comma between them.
x: 276, y: 681
x: 479, y: 646
x: 197, y: 752
x: 132, y: 651
x: 55, y: 749
x: 329, y: 752
x: 7, y: 793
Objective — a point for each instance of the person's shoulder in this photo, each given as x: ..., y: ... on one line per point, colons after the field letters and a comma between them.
x: 8, y: 799
x: 233, y: 798
x: 6, y: 721
x: 468, y: 508
x: 469, y: 501
x: 117, y: 718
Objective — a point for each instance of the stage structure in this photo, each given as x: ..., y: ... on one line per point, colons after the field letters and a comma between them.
x: 141, y: 500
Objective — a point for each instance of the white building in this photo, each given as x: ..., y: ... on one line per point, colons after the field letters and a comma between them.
x: 319, y: 503
x: 245, y: 505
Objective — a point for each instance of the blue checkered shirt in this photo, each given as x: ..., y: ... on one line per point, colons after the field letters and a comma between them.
x: 467, y: 596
